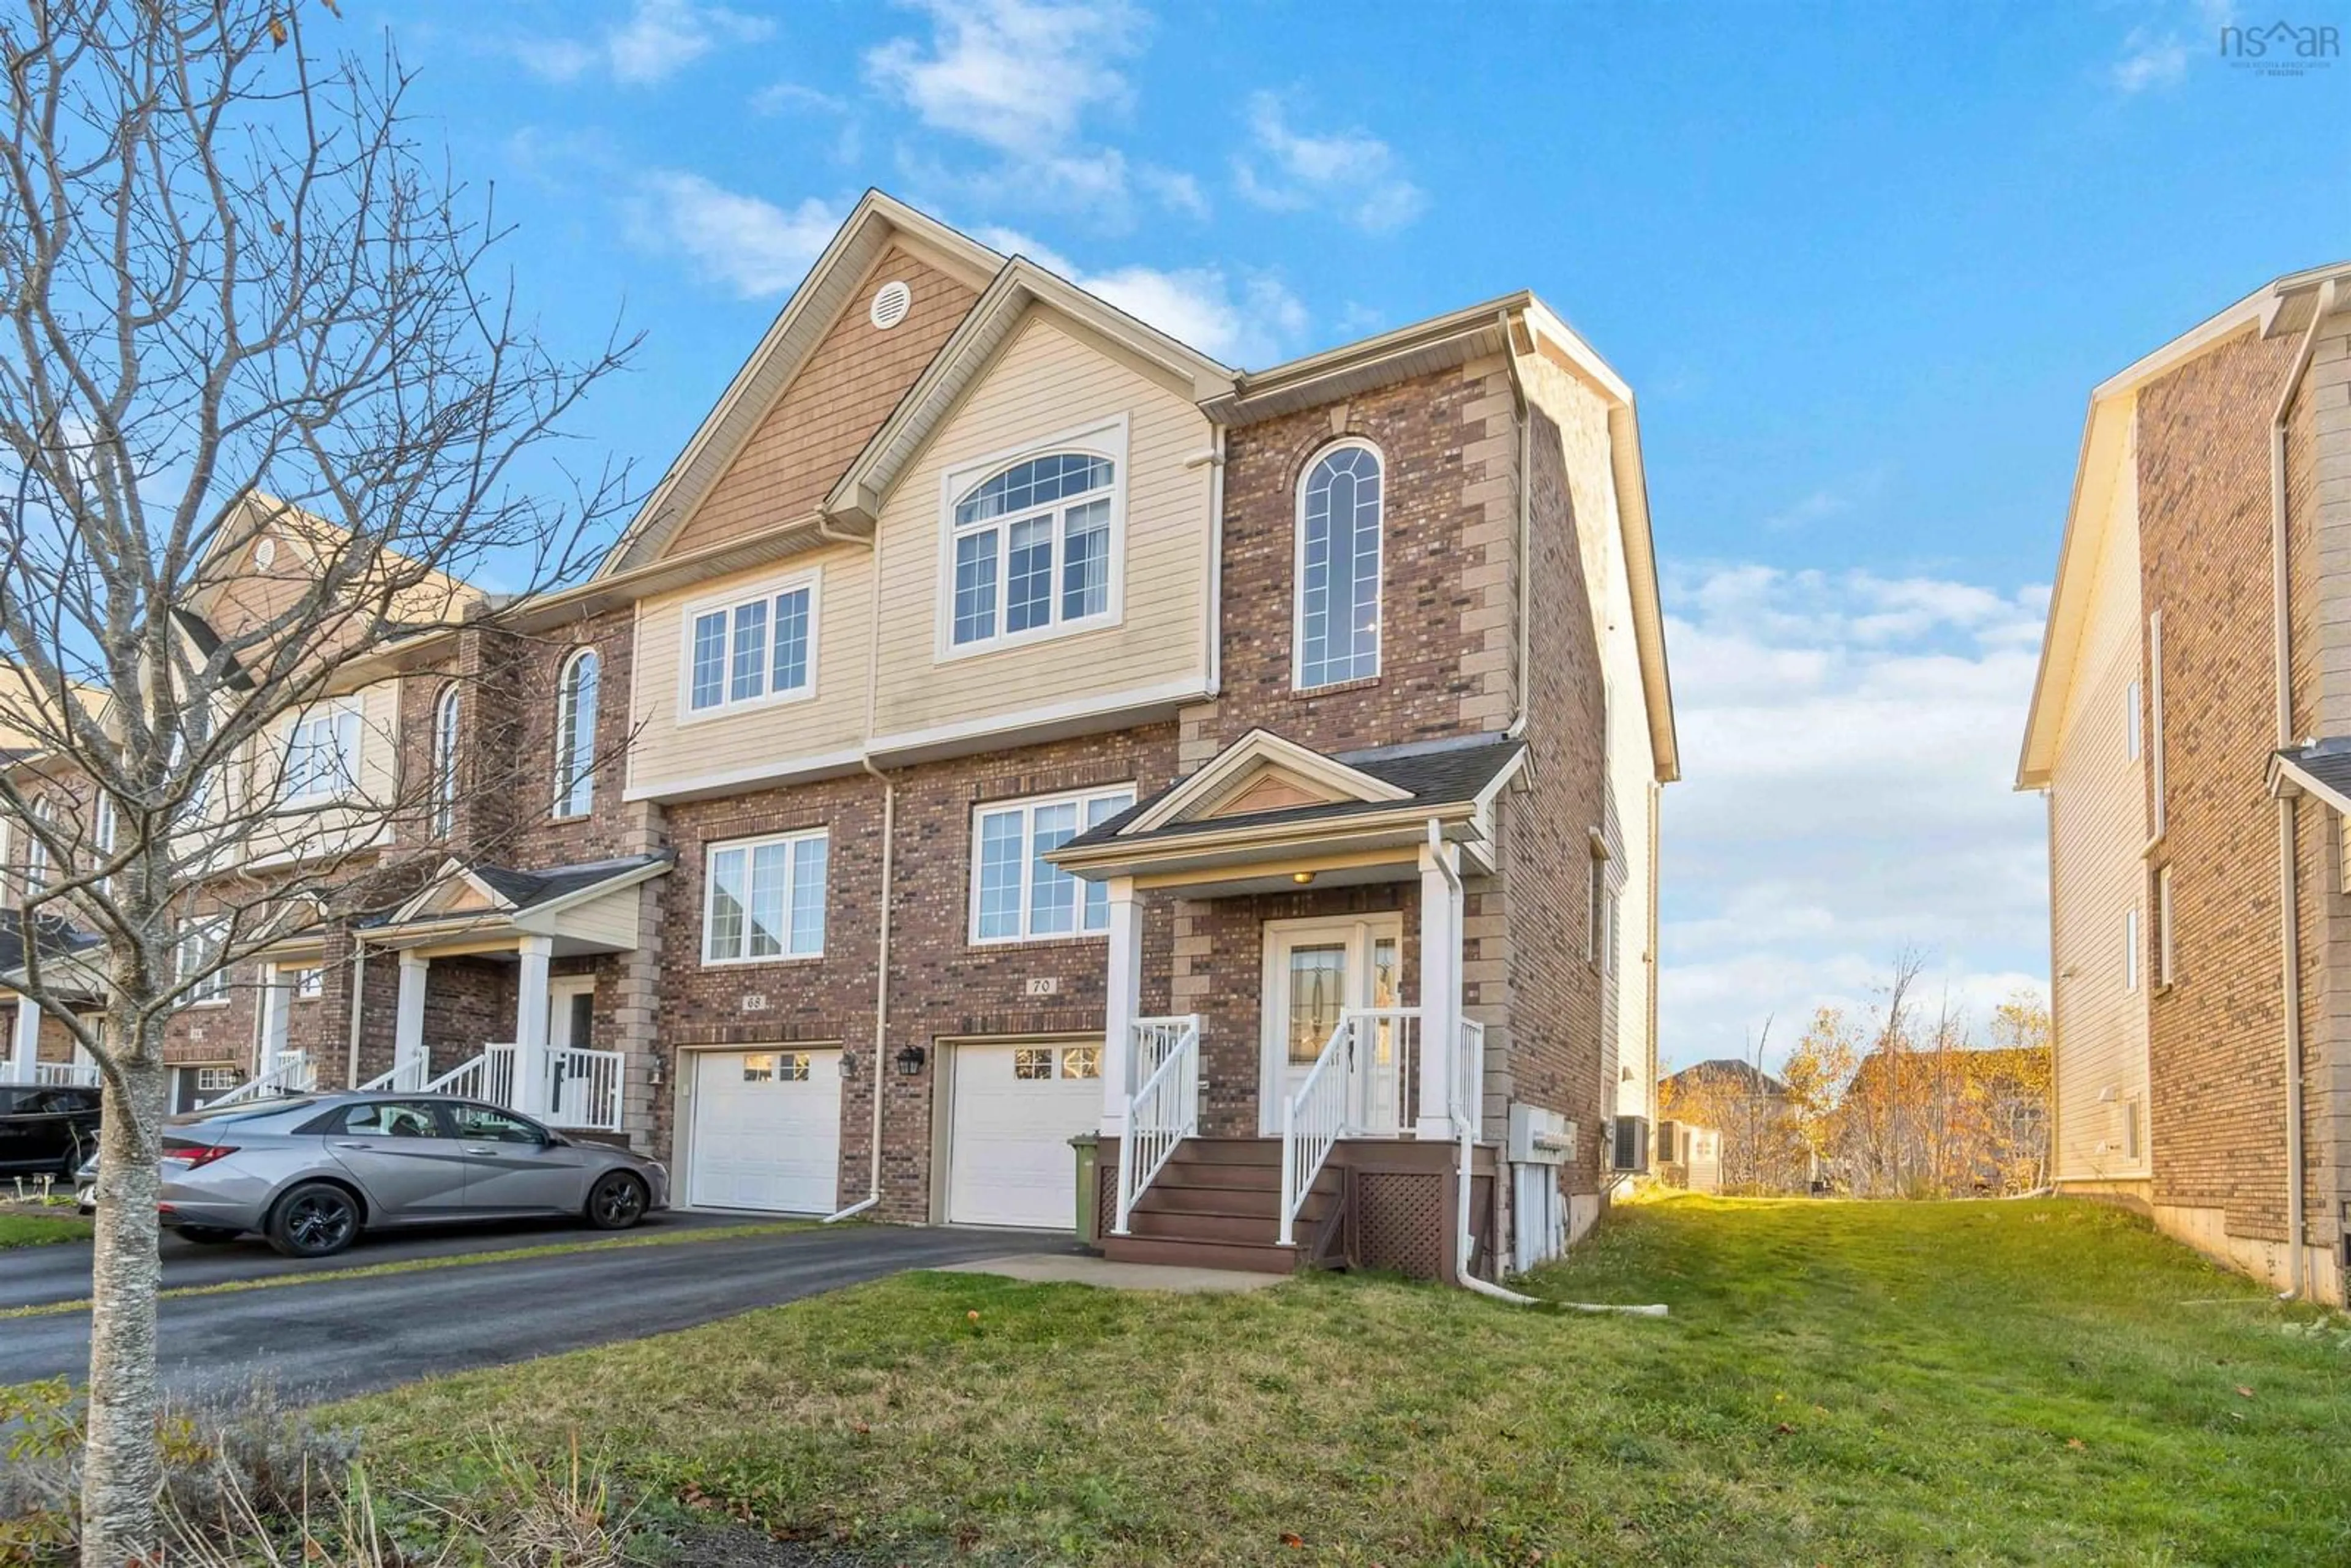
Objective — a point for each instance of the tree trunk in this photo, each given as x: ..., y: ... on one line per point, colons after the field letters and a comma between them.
x: 121, y: 1472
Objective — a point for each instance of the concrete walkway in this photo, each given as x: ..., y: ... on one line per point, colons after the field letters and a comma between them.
x: 1076, y: 1269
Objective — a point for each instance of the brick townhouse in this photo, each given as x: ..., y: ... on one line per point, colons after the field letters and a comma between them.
x: 2191, y: 732
x: 1005, y: 726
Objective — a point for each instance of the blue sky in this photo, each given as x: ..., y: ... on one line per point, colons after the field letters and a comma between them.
x: 1861, y: 264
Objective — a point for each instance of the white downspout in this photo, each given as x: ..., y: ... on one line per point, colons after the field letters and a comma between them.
x: 358, y: 994
x: 2289, y: 921
x: 1520, y: 702
x: 889, y: 848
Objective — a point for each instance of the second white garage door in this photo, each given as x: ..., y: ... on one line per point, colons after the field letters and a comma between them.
x: 1015, y: 1109
x: 766, y: 1131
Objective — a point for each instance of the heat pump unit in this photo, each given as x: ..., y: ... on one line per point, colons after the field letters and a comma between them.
x: 1632, y: 1141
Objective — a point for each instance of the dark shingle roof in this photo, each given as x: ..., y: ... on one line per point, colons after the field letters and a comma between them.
x: 526, y: 889
x: 2328, y: 761
x: 57, y: 937
x: 1740, y: 1073
x: 1441, y: 773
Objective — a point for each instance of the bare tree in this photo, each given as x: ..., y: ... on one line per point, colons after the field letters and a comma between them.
x: 265, y: 405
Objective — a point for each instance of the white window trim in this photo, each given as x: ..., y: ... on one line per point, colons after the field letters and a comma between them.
x: 448, y: 716
x: 2130, y: 948
x: 2163, y: 925
x: 332, y: 713
x: 2155, y: 715
x: 220, y: 977
x: 710, y: 852
x: 1107, y: 439
x: 767, y: 589
x: 1298, y: 567
x: 1029, y: 805
x: 2131, y: 721
x: 559, y: 808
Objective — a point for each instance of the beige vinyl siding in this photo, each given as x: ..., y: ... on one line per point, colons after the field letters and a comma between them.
x: 328, y: 829
x: 611, y: 919
x: 673, y: 754
x: 1052, y: 379
x: 2097, y: 869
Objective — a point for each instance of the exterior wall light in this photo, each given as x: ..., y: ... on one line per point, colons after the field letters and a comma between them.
x: 910, y: 1062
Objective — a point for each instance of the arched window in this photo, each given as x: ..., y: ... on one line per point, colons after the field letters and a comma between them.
x: 444, y: 762
x: 1338, y: 632
x: 575, y: 735
x: 1032, y: 547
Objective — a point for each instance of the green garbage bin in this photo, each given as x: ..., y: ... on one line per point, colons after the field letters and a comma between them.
x: 1089, y: 1188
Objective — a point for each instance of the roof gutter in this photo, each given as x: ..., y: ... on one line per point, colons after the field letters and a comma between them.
x: 2289, y: 922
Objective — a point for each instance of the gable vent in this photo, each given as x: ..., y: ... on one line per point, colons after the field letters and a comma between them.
x: 890, y: 303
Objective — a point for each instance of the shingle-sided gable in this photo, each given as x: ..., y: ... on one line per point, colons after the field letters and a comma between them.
x: 850, y: 384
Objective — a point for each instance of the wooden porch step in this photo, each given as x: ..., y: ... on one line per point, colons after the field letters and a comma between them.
x: 1255, y: 1229
x: 1231, y: 1151
x: 1262, y: 1258
x: 1263, y: 1203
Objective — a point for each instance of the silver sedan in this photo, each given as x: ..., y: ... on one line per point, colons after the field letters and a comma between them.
x: 310, y: 1173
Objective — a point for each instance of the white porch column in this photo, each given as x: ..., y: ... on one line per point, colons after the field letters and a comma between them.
x: 24, y: 1040
x: 276, y: 999
x: 408, y: 1017
x: 1123, y: 1001
x: 530, y: 1027
x: 1440, y: 985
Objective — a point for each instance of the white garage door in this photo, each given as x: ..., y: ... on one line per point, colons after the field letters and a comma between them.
x: 1015, y: 1109
x: 766, y: 1131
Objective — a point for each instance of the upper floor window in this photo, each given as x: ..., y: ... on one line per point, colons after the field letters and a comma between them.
x: 575, y: 735
x: 322, y: 756
x: 444, y: 762
x: 1016, y: 893
x: 1033, y: 549
x: 764, y: 898
x: 758, y: 648
x: 201, y: 943
x: 37, y: 848
x: 1339, y: 565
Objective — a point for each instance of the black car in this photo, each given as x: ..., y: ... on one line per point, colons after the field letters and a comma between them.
x: 45, y: 1128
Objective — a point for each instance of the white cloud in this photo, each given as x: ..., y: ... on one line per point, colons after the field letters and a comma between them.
x: 1022, y: 78
x: 653, y: 42
x: 1350, y: 172
x: 2149, y: 59
x: 1018, y: 75
x: 1177, y: 191
x: 1847, y: 745
x: 1253, y: 320
x: 750, y: 246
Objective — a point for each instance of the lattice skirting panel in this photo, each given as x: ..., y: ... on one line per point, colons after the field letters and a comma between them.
x: 1399, y: 1222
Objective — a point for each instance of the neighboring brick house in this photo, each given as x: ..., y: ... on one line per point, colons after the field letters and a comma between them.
x: 2191, y: 727
x: 1004, y: 712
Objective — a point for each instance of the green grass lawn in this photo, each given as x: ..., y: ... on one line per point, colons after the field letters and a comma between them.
x: 33, y: 1229
x: 2022, y: 1382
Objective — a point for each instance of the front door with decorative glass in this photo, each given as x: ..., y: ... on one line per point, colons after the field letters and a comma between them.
x: 1314, y: 970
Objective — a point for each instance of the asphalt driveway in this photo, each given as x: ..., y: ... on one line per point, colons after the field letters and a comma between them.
x: 60, y: 1271
x: 329, y: 1337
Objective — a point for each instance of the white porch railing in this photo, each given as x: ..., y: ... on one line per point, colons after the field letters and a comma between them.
x: 66, y: 1074
x: 1164, y: 1061
x: 583, y: 1089
x: 407, y: 1076
x: 490, y: 1076
x: 1470, y: 1078
x: 1313, y: 1119
x: 294, y: 1074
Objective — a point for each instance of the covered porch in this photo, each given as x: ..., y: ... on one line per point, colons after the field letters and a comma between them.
x: 497, y: 987
x: 40, y: 1050
x: 1316, y: 1091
